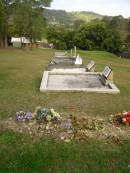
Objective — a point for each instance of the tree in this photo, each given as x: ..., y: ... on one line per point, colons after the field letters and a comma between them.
x: 98, y: 36
x: 69, y: 39
x: 1, y: 25
x: 91, y: 36
x: 128, y: 36
x: 118, y: 24
x: 112, y: 43
x: 61, y: 37
x: 5, y: 9
x: 28, y: 22
x: 12, y: 8
x: 78, y: 23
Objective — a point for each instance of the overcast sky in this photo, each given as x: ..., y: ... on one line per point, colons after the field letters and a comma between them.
x: 105, y: 7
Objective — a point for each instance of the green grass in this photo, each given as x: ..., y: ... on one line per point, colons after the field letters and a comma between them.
x: 21, y: 74
x: 20, y: 77
x: 49, y: 156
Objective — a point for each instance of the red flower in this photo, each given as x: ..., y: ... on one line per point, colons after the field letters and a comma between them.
x: 126, y: 117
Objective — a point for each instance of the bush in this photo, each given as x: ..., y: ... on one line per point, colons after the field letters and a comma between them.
x: 61, y: 38
x: 98, y: 36
x: 61, y: 45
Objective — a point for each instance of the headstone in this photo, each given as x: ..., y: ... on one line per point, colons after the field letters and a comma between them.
x: 78, y: 60
x: 106, y: 72
x: 90, y: 66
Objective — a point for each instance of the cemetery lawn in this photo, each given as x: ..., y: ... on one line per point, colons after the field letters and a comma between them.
x: 20, y: 76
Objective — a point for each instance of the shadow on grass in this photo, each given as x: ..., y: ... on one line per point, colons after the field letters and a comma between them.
x: 37, y: 83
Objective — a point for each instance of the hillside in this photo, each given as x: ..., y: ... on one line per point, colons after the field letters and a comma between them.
x: 75, y: 19
x: 67, y: 18
x: 86, y: 16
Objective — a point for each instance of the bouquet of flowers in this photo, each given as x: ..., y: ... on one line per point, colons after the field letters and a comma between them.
x: 22, y: 116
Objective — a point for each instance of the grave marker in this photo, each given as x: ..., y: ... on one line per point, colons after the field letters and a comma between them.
x: 90, y: 66
x: 106, y: 72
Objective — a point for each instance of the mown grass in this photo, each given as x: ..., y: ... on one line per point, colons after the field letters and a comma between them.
x: 18, y: 154
x: 20, y: 77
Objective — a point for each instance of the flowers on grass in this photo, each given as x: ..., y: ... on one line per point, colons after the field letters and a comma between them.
x: 22, y: 116
x: 120, y: 118
x: 40, y: 114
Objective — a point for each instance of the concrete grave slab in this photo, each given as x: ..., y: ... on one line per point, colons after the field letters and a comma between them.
x: 64, y: 60
x: 79, y: 81
x: 60, y: 54
x: 67, y: 64
x: 64, y: 63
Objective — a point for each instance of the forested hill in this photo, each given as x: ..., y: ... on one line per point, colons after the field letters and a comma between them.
x: 68, y: 18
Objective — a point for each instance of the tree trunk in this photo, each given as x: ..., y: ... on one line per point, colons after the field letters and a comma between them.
x: 5, y: 41
x: 1, y: 43
x: 31, y: 44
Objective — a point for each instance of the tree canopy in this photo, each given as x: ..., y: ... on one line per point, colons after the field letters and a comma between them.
x: 22, y: 18
x: 93, y: 36
x: 98, y: 36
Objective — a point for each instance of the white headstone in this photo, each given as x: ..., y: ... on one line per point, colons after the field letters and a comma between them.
x: 78, y: 60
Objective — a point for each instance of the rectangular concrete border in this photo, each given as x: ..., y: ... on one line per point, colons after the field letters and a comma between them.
x: 44, y: 83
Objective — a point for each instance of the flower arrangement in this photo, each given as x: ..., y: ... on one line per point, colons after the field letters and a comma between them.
x: 46, y: 114
x: 40, y: 114
x: 120, y: 118
x: 22, y: 116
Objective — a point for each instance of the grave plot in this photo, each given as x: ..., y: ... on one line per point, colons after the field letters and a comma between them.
x: 68, y: 74
x: 70, y: 64
x: 66, y: 68
x: 82, y: 81
x: 60, y: 54
x: 65, y: 60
